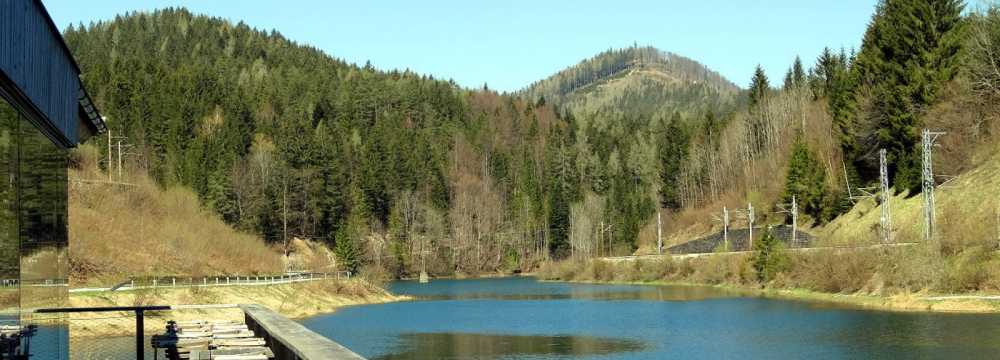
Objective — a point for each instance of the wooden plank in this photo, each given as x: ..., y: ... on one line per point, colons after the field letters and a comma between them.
x: 239, y: 357
x: 239, y: 342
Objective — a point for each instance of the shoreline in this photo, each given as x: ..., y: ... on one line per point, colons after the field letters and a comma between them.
x: 913, y: 303
x: 295, y: 301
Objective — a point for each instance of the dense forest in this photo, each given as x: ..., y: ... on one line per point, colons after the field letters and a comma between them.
x: 402, y: 172
x: 388, y: 167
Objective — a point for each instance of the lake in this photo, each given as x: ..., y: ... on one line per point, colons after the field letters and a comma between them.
x: 521, y: 318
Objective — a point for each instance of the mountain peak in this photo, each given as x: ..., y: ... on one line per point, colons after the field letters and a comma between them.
x: 642, y: 78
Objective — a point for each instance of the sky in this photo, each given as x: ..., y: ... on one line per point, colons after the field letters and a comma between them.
x: 509, y: 44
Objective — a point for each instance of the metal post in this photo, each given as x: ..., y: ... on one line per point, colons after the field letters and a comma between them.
x: 119, y: 160
x: 795, y: 220
x: 109, y: 155
x: 725, y: 227
x: 659, y: 234
x: 139, y: 336
x: 927, y: 183
x: 750, y: 219
x: 885, y: 220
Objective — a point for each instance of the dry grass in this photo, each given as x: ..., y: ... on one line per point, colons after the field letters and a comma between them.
x: 118, y: 231
x: 292, y: 300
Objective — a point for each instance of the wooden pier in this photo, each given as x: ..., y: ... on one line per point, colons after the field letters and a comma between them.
x: 290, y: 340
x: 205, y: 339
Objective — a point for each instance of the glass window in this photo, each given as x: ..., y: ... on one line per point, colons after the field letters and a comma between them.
x: 9, y: 249
x: 42, y: 209
x: 33, y: 232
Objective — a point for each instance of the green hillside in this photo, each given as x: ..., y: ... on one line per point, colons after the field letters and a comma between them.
x: 637, y: 81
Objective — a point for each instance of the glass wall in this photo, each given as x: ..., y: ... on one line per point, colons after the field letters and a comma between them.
x: 9, y: 240
x: 33, y: 232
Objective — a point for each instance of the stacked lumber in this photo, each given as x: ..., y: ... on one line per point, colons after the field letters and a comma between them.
x: 10, y: 330
x: 203, y: 340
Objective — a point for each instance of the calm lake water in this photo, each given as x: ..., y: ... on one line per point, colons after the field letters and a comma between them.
x: 520, y: 318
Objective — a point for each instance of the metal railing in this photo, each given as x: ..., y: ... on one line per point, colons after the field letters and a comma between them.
x: 124, y: 332
x: 212, y: 281
x: 144, y: 332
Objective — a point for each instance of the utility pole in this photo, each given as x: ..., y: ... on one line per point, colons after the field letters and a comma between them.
x: 885, y: 220
x: 725, y: 227
x: 793, y: 210
x: 119, y: 160
x: 600, y: 241
x: 928, y: 181
x: 659, y: 234
x: 109, y: 155
x: 284, y: 213
x: 750, y: 219
x: 795, y: 221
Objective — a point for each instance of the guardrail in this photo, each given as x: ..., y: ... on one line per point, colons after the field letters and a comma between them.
x: 213, y: 281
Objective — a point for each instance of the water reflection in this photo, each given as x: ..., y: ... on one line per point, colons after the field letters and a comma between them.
x: 525, y: 288
x: 527, y: 319
x: 488, y: 346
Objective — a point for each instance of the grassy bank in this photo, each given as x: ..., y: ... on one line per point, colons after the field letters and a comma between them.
x: 297, y: 300
x: 134, y: 228
x: 885, y: 279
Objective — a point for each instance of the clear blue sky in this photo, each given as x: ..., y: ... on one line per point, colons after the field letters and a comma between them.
x: 511, y: 43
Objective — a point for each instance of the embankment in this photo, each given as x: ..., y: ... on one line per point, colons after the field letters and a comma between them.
x: 297, y: 300
x: 734, y: 273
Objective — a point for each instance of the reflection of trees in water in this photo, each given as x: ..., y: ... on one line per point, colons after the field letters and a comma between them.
x: 465, y: 345
x: 9, y: 248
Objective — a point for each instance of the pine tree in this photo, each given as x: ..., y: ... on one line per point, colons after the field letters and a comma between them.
x: 795, y: 77
x: 769, y: 257
x: 789, y: 82
x: 673, y: 152
x: 561, y: 193
x: 908, y: 52
x: 798, y: 73
x: 759, y: 86
x: 351, y: 236
x: 806, y: 180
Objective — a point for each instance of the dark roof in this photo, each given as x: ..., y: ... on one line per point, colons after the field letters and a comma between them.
x: 87, y: 105
x: 40, y: 75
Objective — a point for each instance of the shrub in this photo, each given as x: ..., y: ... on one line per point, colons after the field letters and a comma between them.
x: 769, y: 258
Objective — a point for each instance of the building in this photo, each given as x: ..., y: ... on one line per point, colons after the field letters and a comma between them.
x: 44, y: 112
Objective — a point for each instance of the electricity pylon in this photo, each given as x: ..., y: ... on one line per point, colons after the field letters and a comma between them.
x: 725, y: 226
x: 792, y: 209
x: 927, y: 185
x: 885, y: 220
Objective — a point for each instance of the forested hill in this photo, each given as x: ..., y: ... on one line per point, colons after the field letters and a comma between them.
x: 393, y: 168
x: 283, y: 140
x: 637, y: 81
